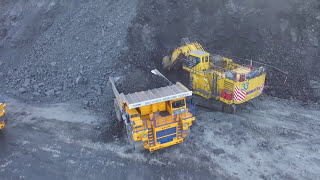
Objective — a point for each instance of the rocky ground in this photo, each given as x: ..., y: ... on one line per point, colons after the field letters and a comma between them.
x: 56, y: 57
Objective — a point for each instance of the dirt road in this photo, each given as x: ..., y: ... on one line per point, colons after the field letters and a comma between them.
x: 268, y: 139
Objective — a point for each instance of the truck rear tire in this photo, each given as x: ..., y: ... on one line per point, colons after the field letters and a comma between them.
x: 117, y: 110
x: 129, y: 133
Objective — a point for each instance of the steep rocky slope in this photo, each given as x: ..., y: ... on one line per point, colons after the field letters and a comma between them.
x: 56, y: 51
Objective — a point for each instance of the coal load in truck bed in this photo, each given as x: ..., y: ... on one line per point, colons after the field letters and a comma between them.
x: 140, y: 81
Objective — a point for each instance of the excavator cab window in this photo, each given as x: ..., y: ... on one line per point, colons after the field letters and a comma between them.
x: 207, y: 59
x: 193, y: 59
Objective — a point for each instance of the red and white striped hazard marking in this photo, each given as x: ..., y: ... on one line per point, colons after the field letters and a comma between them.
x: 239, y: 95
x: 261, y: 88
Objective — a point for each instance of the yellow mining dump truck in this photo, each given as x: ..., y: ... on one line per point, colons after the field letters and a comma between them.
x: 216, y: 77
x: 157, y: 118
x: 2, y: 113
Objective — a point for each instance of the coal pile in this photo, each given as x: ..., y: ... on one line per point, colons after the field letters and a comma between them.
x: 140, y: 81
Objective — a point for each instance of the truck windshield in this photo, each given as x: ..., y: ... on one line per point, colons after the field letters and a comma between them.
x: 178, y: 104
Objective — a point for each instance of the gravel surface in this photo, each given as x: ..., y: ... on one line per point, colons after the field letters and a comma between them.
x: 268, y: 139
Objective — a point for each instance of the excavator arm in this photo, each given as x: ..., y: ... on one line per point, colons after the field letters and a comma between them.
x: 170, y: 61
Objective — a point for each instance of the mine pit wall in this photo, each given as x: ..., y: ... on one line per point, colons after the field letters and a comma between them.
x: 283, y: 34
x: 56, y: 51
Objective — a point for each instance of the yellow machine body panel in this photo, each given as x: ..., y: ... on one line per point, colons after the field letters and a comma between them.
x: 253, y: 87
x: 2, y: 112
x: 145, y: 110
x: 202, y: 84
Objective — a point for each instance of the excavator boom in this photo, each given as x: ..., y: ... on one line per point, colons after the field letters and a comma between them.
x: 169, y: 62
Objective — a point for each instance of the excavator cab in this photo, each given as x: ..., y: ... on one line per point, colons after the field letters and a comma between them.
x: 198, y: 59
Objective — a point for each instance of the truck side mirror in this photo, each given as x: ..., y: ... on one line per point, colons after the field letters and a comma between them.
x: 128, y: 118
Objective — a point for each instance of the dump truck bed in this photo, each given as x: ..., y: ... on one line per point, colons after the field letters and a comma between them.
x: 150, y: 96
x: 157, y: 95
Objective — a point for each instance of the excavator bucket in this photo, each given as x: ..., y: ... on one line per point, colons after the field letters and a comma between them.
x: 166, y: 62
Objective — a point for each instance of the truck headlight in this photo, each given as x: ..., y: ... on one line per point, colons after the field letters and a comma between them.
x: 185, y: 124
x: 144, y: 136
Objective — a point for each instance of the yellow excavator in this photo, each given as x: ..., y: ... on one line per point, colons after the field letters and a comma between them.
x: 218, y: 79
x: 2, y: 113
